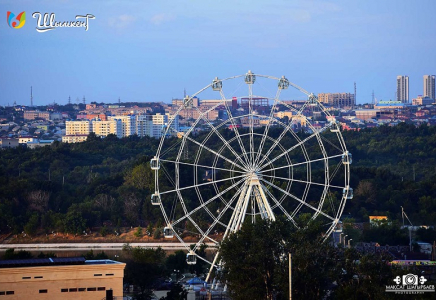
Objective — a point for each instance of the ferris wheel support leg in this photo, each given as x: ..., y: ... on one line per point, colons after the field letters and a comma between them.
x: 212, y: 266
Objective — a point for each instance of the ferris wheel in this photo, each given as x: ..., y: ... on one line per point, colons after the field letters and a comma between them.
x: 261, y: 158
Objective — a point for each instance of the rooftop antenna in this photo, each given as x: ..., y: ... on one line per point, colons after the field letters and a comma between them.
x: 31, y: 97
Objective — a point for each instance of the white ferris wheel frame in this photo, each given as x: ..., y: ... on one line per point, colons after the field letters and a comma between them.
x: 248, y: 169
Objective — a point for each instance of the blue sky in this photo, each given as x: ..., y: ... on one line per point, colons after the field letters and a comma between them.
x: 143, y: 50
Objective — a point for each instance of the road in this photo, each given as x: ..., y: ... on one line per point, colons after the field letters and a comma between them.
x: 89, y: 246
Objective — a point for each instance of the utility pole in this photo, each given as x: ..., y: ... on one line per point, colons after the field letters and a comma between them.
x: 290, y: 276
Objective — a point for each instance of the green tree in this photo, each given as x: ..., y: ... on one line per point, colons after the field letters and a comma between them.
x: 143, y: 267
x: 256, y: 261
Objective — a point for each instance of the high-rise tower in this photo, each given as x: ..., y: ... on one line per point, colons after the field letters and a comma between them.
x: 403, y: 88
x: 429, y: 86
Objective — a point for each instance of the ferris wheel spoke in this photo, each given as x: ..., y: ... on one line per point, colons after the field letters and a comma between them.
x: 201, y: 184
x: 217, y: 219
x: 265, y: 132
x: 209, y: 201
x: 302, y: 163
x: 296, y: 145
x: 280, y: 206
x: 200, y: 166
x: 234, y: 127
x: 303, y: 181
x: 277, y: 141
x: 223, y: 140
x: 251, y: 122
x: 298, y: 199
x: 214, y: 152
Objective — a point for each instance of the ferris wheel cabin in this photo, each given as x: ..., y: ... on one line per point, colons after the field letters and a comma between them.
x: 191, y: 258
x: 347, y: 158
x: 155, y: 163
x: 155, y: 199
x: 168, y: 233
x: 348, y: 192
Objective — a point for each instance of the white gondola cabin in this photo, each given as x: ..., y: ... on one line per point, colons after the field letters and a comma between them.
x: 217, y: 84
x: 155, y: 163
x: 155, y: 199
x: 250, y: 78
x: 334, y: 127
x: 191, y: 258
x: 347, y: 158
x: 348, y: 192
x: 283, y: 83
x: 168, y: 233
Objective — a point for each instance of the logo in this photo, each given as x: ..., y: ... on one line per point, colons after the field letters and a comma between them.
x: 48, y: 21
x: 12, y: 20
x: 410, y: 284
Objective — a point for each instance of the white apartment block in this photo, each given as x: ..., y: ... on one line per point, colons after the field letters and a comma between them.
x: 128, y: 124
x: 429, y: 86
x: 154, y: 125
x: 77, y: 127
x: 104, y: 128
x: 403, y: 89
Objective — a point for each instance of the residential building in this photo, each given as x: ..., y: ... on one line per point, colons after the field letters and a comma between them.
x: 77, y: 127
x: 60, y: 278
x: 26, y: 139
x: 128, y: 124
x: 429, y: 86
x: 337, y: 99
x: 403, y: 88
x: 104, y: 128
x: 8, y: 143
x: 422, y: 100
x: 366, y: 114
x: 32, y: 115
x: 144, y: 124
x: 77, y: 138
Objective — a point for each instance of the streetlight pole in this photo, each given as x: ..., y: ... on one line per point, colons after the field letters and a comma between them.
x: 345, y: 237
x: 349, y: 244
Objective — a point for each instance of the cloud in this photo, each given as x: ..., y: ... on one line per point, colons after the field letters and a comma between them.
x: 161, y: 18
x: 122, y: 21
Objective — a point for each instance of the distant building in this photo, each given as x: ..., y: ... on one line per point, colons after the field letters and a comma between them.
x: 32, y: 115
x: 102, y: 117
x: 39, y: 143
x: 8, y: 143
x: 337, y: 99
x: 77, y: 138
x: 104, y: 128
x: 422, y: 100
x: 77, y: 127
x: 429, y: 86
x: 366, y: 114
x: 180, y: 102
x: 60, y: 278
x: 26, y: 139
x: 128, y: 124
x: 403, y: 88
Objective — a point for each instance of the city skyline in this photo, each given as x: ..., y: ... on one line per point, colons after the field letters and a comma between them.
x: 143, y: 52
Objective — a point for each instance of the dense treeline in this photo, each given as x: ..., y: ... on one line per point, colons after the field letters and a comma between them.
x: 73, y: 187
